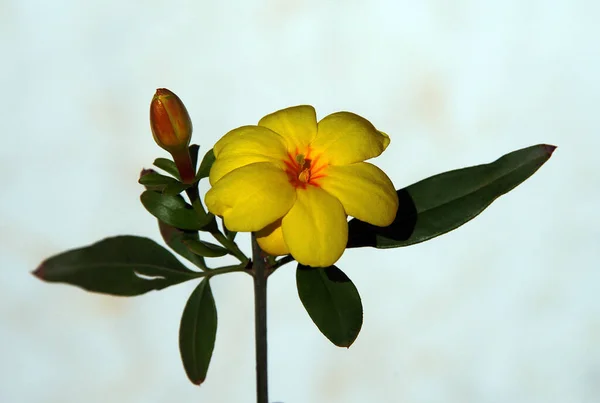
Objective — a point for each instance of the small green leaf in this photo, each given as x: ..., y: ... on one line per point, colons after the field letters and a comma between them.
x: 168, y: 166
x: 153, y: 180
x: 444, y: 202
x: 173, y: 210
x: 123, y: 265
x: 332, y: 302
x: 175, y: 238
x: 205, y: 165
x: 205, y: 249
x: 156, y: 179
x: 197, y: 332
x: 161, y: 183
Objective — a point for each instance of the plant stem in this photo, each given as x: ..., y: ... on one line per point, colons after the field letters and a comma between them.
x: 223, y: 270
x: 183, y: 161
x: 260, y: 273
x: 284, y: 260
x: 208, y: 273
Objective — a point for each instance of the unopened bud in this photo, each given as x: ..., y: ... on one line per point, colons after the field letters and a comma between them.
x: 170, y: 122
x: 172, y: 130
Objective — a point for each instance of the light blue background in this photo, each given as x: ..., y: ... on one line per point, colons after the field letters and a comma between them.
x: 505, y: 309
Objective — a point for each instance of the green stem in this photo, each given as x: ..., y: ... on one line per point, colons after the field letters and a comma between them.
x: 260, y: 271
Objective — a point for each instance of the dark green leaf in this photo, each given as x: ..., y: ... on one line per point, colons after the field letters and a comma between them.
x: 446, y: 201
x: 332, y: 301
x: 151, y: 186
x: 194, y: 148
x: 205, y: 249
x: 205, y: 165
x: 123, y: 265
x: 173, y: 210
x: 175, y: 188
x: 155, y: 181
x: 175, y: 238
x: 161, y: 183
x: 197, y: 332
x: 168, y: 166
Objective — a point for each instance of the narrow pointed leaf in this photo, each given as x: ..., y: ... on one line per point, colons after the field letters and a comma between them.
x: 168, y: 166
x: 443, y: 202
x: 197, y: 332
x: 194, y: 149
x: 123, y: 265
x: 332, y: 302
x: 205, y: 165
x: 206, y: 249
x: 173, y: 210
x: 175, y: 239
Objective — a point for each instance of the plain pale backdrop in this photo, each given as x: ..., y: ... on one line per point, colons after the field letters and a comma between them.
x: 505, y: 309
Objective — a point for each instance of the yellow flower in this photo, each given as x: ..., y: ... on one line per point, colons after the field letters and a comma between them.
x: 295, y: 181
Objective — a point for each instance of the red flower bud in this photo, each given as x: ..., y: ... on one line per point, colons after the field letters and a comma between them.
x: 170, y: 122
x: 172, y: 130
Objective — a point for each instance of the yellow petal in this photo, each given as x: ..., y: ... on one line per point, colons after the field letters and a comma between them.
x: 251, y: 197
x: 345, y: 138
x: 364, y: 190
x: 227, y: 163
x: 251, y: 140
x: 246, y: 145
x: 270, y: 239
x: 297, y: 125
x: 315, y: 229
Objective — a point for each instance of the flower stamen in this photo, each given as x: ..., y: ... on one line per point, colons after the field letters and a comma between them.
x: 302, y: 170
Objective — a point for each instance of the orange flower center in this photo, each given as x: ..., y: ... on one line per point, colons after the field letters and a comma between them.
x: 303, y: 170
